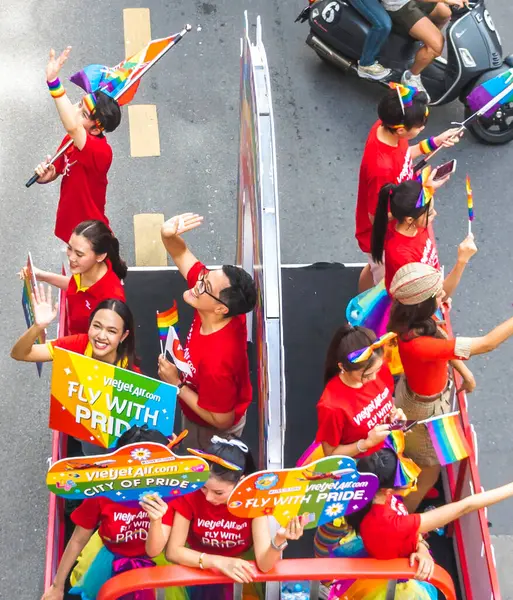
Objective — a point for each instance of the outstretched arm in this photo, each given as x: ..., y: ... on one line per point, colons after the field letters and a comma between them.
x: 441, y: 516
x: 67, y: 112
x: 171, y: 231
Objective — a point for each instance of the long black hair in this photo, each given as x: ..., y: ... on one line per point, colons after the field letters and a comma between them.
x: 348, y: 339
x: 414, y: 320
x: 103, y: 241
x: 391, y: 114
x: 383, y: 464
x: 126, y: 349
x: 233, y: 454
x: 401, y: 201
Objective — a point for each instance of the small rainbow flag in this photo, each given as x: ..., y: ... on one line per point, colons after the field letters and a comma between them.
x: 448, y: 438
x: 470, y: 200
x: 167, y: 319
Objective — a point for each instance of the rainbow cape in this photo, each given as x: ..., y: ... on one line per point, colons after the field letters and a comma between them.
x: 114, y: 81
x: 448, y: 438
x: 167, y: 319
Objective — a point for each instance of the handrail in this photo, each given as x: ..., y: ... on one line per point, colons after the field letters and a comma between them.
x: 306, y: 569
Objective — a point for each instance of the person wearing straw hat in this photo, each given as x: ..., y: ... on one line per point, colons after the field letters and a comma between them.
x: 426, y: 350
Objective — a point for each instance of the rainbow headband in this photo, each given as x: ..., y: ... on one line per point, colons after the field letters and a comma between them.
x: 365, y: 353
x: 426, y: 192
x: 90, y: 103
x: 405, y: 93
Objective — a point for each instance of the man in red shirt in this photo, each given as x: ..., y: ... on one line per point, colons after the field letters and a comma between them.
x: 214, y: 399
x: 387, y: 158
x: 85, y: 164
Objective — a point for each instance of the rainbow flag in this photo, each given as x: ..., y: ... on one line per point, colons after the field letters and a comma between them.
x: 480, y: 96
x: 448, y: 438
x: 470, y: 200
x: 167, y: 319
x: 114, y: 81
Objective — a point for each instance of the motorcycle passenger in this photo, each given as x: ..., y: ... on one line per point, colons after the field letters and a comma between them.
x: 422, y: 20
x: 377, y: 16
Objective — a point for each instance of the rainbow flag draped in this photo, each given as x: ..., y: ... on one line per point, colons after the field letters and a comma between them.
x: 167, y: 319
x: 114, y: 81
x: 448, y: 438
x: 484, y: 93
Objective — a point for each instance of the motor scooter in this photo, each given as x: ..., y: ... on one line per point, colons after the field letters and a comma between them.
x: 474, y: 55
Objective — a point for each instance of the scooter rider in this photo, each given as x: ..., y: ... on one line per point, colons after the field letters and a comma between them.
x: 377, y: 16
x: 422, y: 20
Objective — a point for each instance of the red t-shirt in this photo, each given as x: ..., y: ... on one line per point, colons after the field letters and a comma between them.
x: 388, y: 531
x: 213, y: 529
x: 346, y: 415
x: 80, y: 344
x: 81, y: 303
x: 219, y: 364
x: 425, y: 362
x: 402, y: 250
x: 381, y: 164
x: 84, y: 184
x: 123, y: 529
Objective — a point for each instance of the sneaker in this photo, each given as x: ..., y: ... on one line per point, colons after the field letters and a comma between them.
x: 414, y: 81
x: 375, y: 71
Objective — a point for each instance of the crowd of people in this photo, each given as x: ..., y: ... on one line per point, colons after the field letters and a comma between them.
x: 361, y: 398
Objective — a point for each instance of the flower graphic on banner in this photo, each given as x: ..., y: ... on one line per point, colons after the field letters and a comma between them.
x: 140, y: 454
x: 267, y: 481
x: 334, y: 509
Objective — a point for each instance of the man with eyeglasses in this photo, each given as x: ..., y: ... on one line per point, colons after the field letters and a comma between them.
x: 214, y: 400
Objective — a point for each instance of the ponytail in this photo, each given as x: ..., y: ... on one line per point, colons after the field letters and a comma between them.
x: 103, y: 241
x: 380, y: 225
x: 348, y: 339
x: 401, y: 201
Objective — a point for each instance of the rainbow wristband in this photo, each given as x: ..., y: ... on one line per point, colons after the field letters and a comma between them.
x: 56, y: 88
x: 428, y: 145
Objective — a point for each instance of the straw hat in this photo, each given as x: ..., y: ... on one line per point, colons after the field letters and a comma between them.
x: 415, y: 282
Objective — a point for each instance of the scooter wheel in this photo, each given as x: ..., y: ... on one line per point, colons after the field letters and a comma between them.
x: 494, y: 130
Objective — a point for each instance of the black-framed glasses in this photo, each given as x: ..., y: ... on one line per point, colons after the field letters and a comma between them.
x: 202, y: 287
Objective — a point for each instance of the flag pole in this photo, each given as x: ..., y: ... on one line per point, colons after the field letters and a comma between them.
x: 453, y: 414
x: 462, y: 126
x: 179, y: 36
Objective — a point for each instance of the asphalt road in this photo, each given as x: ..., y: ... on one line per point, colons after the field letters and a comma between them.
x: 322, y: 119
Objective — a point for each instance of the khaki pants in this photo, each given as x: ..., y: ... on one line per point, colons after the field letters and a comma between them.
x: 199, y: 436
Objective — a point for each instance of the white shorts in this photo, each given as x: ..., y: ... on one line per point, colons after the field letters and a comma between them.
x: 377, y: 270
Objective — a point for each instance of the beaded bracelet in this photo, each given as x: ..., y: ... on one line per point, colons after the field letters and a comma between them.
x: 428, y: 145
x: 56, y: 88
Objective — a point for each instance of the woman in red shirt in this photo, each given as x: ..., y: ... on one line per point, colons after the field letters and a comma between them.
x: 205, y: 534
x: 409, y: 237
x: 97, y: 272
x: 426, y: 351
x: 110, y: 338
x: 119, y: 544
x: 387, y: 519
x: 357, y: 399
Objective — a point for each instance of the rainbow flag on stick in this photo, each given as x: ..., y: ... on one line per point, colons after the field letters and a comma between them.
x: 167, y: 319
x: 470, y: 204
x: 448, y: 438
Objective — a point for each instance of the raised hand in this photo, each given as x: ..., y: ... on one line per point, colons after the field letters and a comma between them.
x: 44, y: 314
x: 467, y: 249
x: 293, y: 531
x: 181, y: 224
x: 55, y: 63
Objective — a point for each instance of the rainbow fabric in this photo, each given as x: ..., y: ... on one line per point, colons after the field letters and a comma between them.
x: 404, y: 92
x: 364, y: 354
x: 427, y: 192
x: 114, y: 81
x: 167, y: 319
x: 407, y: 471
x: 370, y: 309
x: 470, y: 200
x: 448, y: 439
x: 481, y: 95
